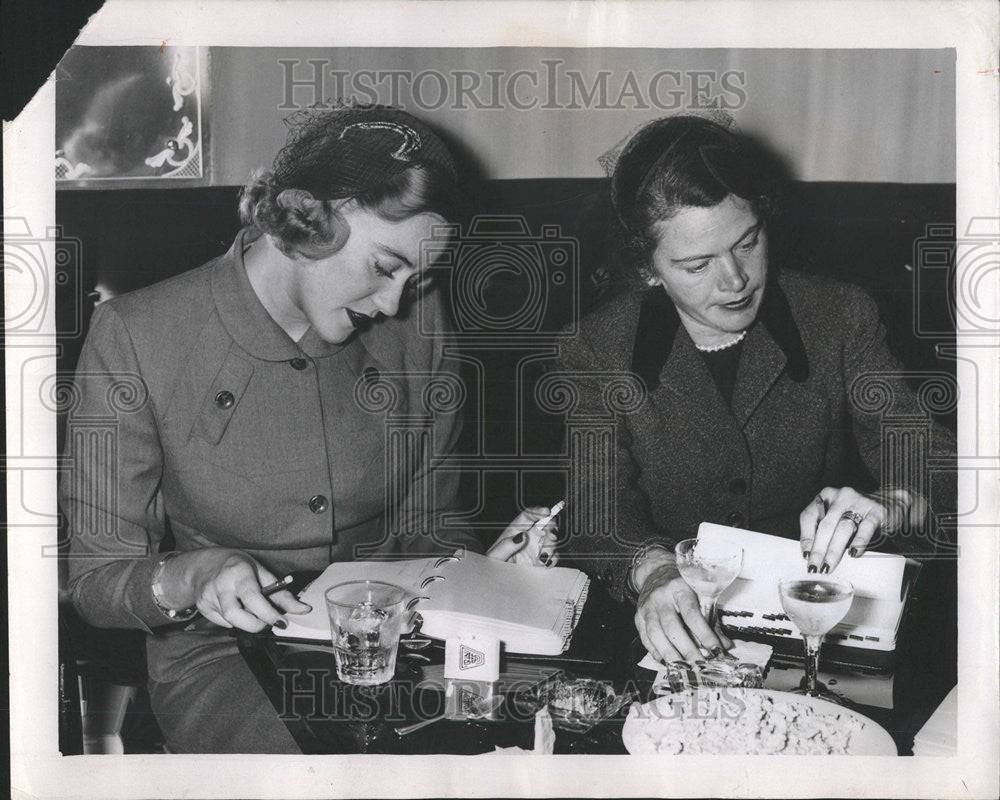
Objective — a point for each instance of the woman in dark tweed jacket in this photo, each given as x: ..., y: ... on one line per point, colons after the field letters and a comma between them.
x: 755, y: 414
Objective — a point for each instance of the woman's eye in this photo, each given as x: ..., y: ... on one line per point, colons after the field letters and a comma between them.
x: 747, y: 247
x: 381, y: 270
x: 697, y: 268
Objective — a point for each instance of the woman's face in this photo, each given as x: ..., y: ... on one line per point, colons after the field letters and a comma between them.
x: 364, y: 279
x: 713, y: 264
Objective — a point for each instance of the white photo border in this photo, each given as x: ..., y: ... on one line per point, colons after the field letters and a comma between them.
x: 38, y: 770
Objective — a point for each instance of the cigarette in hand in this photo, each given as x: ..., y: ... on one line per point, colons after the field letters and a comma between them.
x: 276, y: 587
x: 555, y: 510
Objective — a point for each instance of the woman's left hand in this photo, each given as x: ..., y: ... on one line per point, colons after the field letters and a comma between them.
x: 525, y: 543
x: 839, y: 520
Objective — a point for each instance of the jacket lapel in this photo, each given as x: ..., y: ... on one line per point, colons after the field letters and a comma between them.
x: 761, y: 362
x: 772, y: 346
x: 675, y: 374
x: 664, y: 356
x: 690, y: 391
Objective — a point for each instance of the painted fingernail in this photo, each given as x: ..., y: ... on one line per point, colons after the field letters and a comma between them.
x: 805, y: 555
x: 812, y: 568
x: 853, y: 552
x: 519, y: 538
x: 544, y: 558
x: 824, y: 569
x: 281, y: 624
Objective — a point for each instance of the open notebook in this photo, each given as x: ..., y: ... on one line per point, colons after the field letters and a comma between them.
x: 530, y: 609
x: 751, y: 605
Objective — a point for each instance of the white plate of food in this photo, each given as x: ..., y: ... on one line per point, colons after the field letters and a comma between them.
x: 751, y: 722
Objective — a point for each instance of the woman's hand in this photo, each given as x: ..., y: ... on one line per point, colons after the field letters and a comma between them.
x: 526, y: 543
x: 839, y: 520
x: 669, y: 619
x: 225, y: 585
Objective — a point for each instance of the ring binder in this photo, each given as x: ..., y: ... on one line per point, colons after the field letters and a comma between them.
x: 531, y: 611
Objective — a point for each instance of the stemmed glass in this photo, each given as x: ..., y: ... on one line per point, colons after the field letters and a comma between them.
x: 814, y: 607
x: 708, y: 566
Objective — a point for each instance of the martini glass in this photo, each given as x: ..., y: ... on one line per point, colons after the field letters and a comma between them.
x: 814, y: 607
x: 708, y: 567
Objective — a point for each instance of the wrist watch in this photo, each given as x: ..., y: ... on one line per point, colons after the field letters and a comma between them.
x: 175, y: 614
x: 640, y: 555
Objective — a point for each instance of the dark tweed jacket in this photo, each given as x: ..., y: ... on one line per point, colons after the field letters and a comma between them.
x: 814, y: 385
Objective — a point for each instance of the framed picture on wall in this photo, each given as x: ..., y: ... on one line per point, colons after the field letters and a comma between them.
x: 132, y: 116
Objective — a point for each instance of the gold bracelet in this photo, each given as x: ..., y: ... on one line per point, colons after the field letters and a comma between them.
x: 888, y: 495
x: 175, y: 614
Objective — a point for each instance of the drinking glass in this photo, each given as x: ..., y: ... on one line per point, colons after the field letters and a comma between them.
x: 366, y: 618
x: 708, y: 566
x: 814, y: 607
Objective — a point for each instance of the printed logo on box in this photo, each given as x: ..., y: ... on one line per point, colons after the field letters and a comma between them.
x: 468, y: 702
x: 468, y: 658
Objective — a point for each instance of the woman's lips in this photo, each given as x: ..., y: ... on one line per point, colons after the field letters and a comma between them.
x: 359, y: 321
x: 738, y: 305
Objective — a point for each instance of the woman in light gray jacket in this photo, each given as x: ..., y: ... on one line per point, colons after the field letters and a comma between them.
x: 242, y: 409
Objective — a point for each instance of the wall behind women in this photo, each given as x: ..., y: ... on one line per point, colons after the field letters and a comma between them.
x: 835, y: 115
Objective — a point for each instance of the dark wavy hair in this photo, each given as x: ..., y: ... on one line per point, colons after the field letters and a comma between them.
x: 349, y: 154
x: 680, y: 162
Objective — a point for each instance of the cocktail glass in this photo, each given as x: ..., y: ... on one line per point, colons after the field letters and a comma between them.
x: 366, y: 618
x: 814, y: 607
x: 708, y: 566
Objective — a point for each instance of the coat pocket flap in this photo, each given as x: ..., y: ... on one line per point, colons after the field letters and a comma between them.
x: 222, y: 400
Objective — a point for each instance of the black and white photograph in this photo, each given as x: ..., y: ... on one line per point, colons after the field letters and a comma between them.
x: 398, y: 392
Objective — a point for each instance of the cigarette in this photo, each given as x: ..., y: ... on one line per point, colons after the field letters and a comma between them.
x: 555, y: 510
x: 284, y: 583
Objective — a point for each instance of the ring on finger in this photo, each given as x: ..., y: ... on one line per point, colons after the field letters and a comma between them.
x: 853, y: 516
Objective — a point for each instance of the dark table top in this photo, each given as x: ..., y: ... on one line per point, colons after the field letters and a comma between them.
x: 327, y: 716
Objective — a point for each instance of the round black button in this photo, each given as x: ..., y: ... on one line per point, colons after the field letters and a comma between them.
x: 370, y: 374
x: 225, y: 399
x: 299, y: 363
x: 735, y: 520
x: 738, y: 486
x: 318, y: 504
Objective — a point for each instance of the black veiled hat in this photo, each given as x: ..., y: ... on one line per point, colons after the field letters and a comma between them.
x: 347, y: 151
